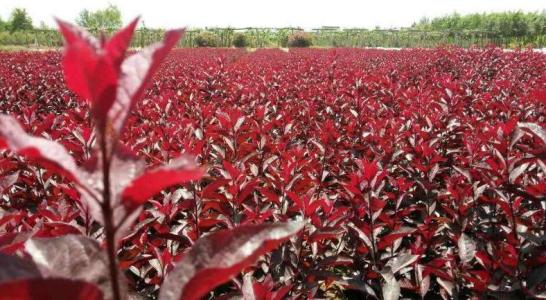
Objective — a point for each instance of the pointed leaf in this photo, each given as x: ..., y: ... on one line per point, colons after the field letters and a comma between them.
x: 391, y: 287
x: 53, y: 154
x: 74, y: 34
x: 464, y: 172
x: 117, y: 46
x: 180, y: 170
x: 516, y: 172
x: 401, y: 260
x: 216, y: 258
x: 136, y: 74
x: 369, y: 170
x: 467, y: 248
x: 88, y: 70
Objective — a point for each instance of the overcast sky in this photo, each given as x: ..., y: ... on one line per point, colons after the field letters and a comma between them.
x: 268, y: 13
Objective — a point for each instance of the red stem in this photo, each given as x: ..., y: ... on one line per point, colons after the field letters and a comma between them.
x: 109, y: 227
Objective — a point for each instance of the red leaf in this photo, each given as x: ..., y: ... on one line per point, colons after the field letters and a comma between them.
x: 388, y: 239
x: 80, y: 56
x: 13, y: 241
x: 210, y: 189
x: 369, y: 170
x: 298, y: 202
x: 232, y: 170
x: 118, y: 44
x: 89, y: 71
x: 49, y: 289
x: 179, y: 171
x: 136, y: 74
x: 329, y: 233
x: 216, y: 258
x: 270, y: 195
x: 247, y: 190
x: 53, y: 154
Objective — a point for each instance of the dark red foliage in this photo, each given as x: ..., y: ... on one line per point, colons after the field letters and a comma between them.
x: 417, y: 172
x: 49, y: 289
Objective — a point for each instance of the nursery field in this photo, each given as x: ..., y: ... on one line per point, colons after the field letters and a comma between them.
x: 414, y: 173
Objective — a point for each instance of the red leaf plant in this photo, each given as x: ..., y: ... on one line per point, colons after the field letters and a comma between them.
x: 114, y: 184
x: 417, y: 173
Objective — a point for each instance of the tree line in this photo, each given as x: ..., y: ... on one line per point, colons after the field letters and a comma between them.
x: 510, y: 24
x: 506, y: 24
x: 107, y: 18
x: 507, y: 29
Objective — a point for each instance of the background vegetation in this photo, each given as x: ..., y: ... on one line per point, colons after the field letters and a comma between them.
x: 507, y: 30
x: 508, y: 24
x: 108, y: 18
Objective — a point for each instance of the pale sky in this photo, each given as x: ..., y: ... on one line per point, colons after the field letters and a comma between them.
x: 268, y: 13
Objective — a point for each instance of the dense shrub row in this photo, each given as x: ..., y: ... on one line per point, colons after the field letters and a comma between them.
x: 297, y: 39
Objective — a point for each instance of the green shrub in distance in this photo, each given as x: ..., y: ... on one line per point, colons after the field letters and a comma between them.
x: 207, y: 39
x: 240, y: 40
x: 300, y: 39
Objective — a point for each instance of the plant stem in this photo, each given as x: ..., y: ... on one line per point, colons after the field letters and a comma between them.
x: 370, y: 213
x: 109, y: 227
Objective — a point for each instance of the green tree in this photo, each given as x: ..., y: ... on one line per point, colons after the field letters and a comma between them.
x: 108, y: 18
x: 3, y: 25
x: 20, y: 20
x: 507, y: 24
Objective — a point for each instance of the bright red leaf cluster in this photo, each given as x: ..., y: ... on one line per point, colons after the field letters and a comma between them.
x: 417, y: 172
